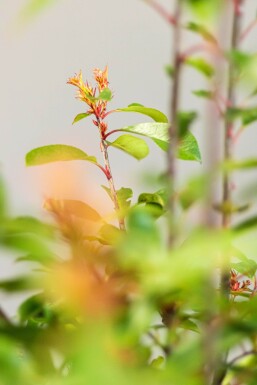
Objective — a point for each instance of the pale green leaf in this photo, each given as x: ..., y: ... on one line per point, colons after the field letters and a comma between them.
x: 80, y: 117
x: 131, y: 145
x: 158, y: 132
x: 203, y: 94
x: 201, y: 65
x: 203, y: 31
x: 56, y: 153
x: 156, y: 115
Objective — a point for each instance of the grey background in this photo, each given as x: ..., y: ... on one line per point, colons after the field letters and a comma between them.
x: 37, y: 106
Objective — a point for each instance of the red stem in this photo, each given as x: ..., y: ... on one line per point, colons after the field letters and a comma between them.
x: 248, y: 29
x: 162, y: 12
x: 110, y: 132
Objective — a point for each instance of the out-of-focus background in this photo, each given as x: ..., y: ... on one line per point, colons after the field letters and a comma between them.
x: 38, y: 107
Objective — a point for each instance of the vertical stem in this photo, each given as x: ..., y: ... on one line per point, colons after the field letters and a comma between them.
x: 229, y: 127
x: 221, y: 370
x: 228, y: 132
x: 111, y: 183
x: 173, y: 128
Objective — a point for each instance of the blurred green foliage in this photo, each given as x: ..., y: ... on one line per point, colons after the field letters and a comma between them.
x: 121, y: 307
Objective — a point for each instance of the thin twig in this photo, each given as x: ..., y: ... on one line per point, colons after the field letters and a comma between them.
x: 173, y: 128
x: 111, y: 183
x: 162, y: 12
x: 244, y: 354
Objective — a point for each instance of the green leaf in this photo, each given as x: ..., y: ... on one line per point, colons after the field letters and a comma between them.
x: 201, y: 30
x: 248, y: 224
x: 123, y: 196
x: 158, y: 363
x: 35, y: 309
x: 247, y: 267
x: 158, y: 132
x: 189, y: 325
x: 244, y: 64
x: 231, y: 165
x: 73, y: 207
x: 131, y: 145
x: 185, y: 119
x: 105, y: 95
x: 155, y: 202
x: 18, y: 284
x: 169, y: 70
x: 195, y: 189
x: 201, y: 65
x: 28, y: 243
x: 27, y: 224
x: 156, y: 115
x: 203, y: 94
x: 247, y: 115
x: 158, y: 198
x: 79, y: 117
x: 56, y: 153
x: 188, y: 148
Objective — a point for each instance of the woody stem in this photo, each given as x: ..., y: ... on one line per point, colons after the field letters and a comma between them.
x: 109, y: 177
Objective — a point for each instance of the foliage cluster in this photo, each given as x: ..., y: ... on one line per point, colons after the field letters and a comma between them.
x: 144, y: 295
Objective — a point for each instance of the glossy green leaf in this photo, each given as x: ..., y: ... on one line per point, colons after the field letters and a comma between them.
x: 73, y: 207
x: 188, y: 148
x: 201, y: 30
x: 203, y: 94
x: 79, y: 117
x: 158, y: 132
x: 56, y: 153
x: 156, y: 115
x: 133, y: 146
x: 201, y: 65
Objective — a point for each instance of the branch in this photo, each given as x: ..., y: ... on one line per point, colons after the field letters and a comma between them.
x: 173, y: 128
x: 108, y: 174
x: 162, y: 12
x: 245, y: 354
